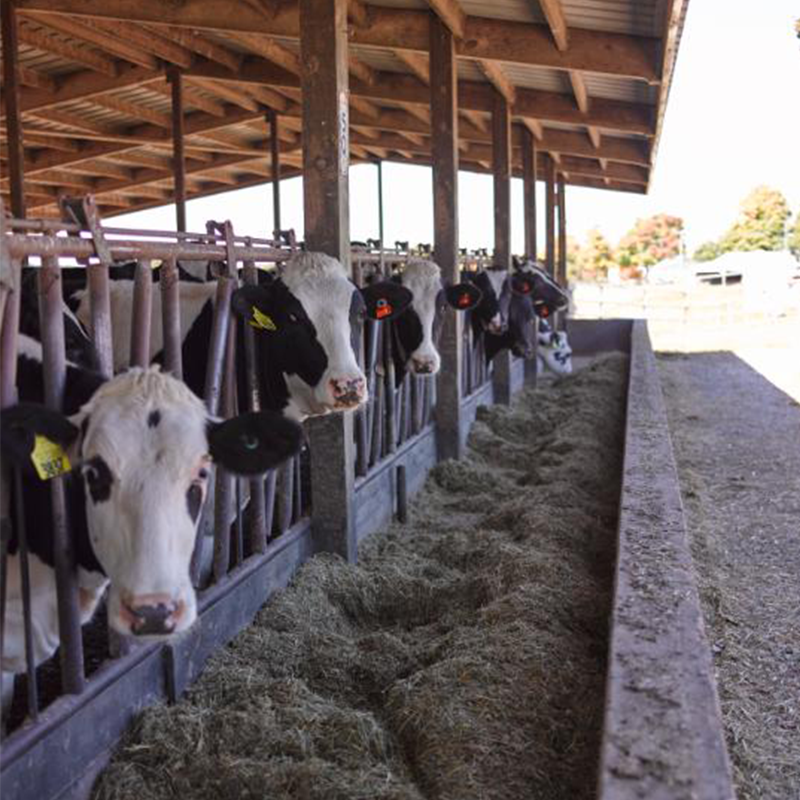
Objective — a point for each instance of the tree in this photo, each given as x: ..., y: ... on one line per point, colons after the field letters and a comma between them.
x: 651, y: 240
x: 761, y: 224
x: 593, y: 261
x: 793, y: 237
x: 707, y: 251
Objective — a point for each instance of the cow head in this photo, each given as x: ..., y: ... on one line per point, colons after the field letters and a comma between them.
x: 554, y: 350
x: 417, y: 332
x: 548, y: 297
x: 520, y: 335
x: 308, y: 325
x: 142, y: 447
x: 497, y: 288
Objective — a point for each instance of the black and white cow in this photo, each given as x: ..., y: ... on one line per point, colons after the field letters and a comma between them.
x: 548, y: 296
x: 554, y: 351
x: 416, y: 333
x: 140, y: 446
x: 519, y: 335
x: 307, y: 320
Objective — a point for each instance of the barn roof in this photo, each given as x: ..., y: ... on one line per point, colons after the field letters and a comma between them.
x: 589, y: 78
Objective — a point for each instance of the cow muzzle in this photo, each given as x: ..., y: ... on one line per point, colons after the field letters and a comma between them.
x: 152, y: 615
x: 424, y: 366
x: 348, y: 392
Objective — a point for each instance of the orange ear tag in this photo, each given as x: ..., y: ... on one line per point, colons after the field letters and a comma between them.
x: 464, y: 300
x: 383, y: 309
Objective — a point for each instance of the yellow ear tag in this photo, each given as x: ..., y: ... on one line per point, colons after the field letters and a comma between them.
x: 262, y: 321
x: 49, y: 458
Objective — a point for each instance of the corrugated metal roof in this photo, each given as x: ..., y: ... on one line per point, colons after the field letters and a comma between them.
x: 549, y: 80
x: 642, y: 17
x: 614, y: 88
x: 514, y: 10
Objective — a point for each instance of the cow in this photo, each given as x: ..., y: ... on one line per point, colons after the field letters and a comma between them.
x: 140, y: 446
x: 554, y: 351
x: 307, y: 319
x: 519, y: 335
x: 548, y: 296
x: 415, y: 333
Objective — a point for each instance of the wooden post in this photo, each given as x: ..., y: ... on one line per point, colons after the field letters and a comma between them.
x: 501, y: 168
x: 561, y: 272
x: 529, y: 191
x: 550, y: 213
x: 16, y: 168
x: 379, y: 164
x: 275, y: 171
x: 529, y: 167
x: 444, y: 158
x: 324, y: 81
x: 178, y: 159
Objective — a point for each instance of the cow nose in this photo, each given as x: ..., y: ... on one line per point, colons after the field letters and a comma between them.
x: 153, y: 616
x: 348, y: 391
x: 423, y: 366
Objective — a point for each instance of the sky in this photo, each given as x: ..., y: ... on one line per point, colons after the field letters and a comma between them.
x: 732, y: 123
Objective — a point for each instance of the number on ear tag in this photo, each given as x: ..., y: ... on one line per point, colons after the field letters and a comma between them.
x: 262, y: 321
x: 464, y: 300
x: 49, y: 458
x: 382, y: 309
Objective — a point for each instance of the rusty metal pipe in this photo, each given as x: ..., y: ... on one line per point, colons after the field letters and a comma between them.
x: 171, y: 318
x: 142, y: 313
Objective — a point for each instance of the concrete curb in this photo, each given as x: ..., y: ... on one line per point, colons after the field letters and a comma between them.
x: 663, y: 736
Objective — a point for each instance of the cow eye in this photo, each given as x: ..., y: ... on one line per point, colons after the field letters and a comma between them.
x: 293, y: 317
x: 203, y: 474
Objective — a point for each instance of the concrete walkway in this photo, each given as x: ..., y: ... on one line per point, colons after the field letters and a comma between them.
x: 736, y: 438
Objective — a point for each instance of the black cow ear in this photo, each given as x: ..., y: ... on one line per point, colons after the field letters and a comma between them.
x: 252, y: 443
x: 386, y: 299
x: 463, y: 296
x: 521, y: 284
x: 22, y: 423
x: 251, y: 304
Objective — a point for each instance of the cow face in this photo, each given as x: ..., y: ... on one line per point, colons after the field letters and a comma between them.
x: 142, y: 448
x: 554, y: 350
x: 417, y: 332
x: 520, y: 335
x: 491, y: 314
x: 308, y: 323
x: 548, y: 297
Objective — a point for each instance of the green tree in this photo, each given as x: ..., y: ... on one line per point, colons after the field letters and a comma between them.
x: 761, y: 224
x: 651, y: 240
x: 793, y: 237
x: 707, y: 251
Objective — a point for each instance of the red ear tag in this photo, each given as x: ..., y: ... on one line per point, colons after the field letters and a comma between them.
x: 464, y: 300
x: 545, y: 312
x: 383, y: 309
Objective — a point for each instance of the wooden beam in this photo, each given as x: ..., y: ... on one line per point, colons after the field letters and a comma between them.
x: 150, y: 41
x: 191, y: 98
x: 535, y: 127
x: 16, y: 162
x: 268, y: 97
x: 478, y: 120
x: 38, y: 80
x: 550, y: 214
x: 271, y: 50
x: 529, y: 191
x: 451, y: 13
x: 357, y: 13
x: 554, y: 14
x: 223, y: 90
x: 495, y: 75
x: 360, y: 70
x: 561, y: 271
x: 501, y: 168
x: 99, y: 62
x: 178, y: 158
x: 472, y: 95
x: 403, y: 29
x: 416, y: 62
x: 579, y: 90
x: 134, y: 110
x: 197, y: 43
x: 275, y: 169
x: 594, y: 137
x: 444, y: 160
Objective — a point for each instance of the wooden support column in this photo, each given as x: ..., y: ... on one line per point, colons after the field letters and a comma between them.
x: 178, y: 158
x: 444, y: 160
x: 561, y: 272
x: 275, y: 171
x: 550, y: 213
x: 8, y: 20
x: 323, y: 78
x: 529, y: 191
x: 501, y: 169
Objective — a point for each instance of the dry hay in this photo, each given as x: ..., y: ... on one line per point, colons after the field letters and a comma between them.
x: 463, y: 657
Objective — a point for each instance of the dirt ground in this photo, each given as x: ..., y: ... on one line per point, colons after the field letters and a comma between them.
x: 462, y: 658
x: 736, y: 438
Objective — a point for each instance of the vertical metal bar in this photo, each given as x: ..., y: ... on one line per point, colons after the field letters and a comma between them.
x: 141, y: 321
x: 16, y: 163
x: 390, y: 439
x: 275, y: 171
x: 529, y: 191
x: 402, y: 494
x: 382, y: 262
x: 238, y: 554
x: 8, y: 340
x: 171, y: 317
x: 178, y: 158
x: 257, y: 524
x: 269, y: 501
x: 561, y: 271
x: 285, y: 492
x: 298, y: 488
x: 550, y: 214
x: 25, y: 575
x: 501, y: 168
x: 54, y: 365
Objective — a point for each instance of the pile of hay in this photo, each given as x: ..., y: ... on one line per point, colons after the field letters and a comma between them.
x: 463, y: 657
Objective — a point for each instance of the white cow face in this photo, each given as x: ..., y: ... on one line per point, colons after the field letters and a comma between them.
x: 144, y: 446
x: 555, y: 351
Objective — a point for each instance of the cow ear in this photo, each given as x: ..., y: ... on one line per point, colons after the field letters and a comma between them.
x: 463, y: 296
x: 252, y: 443
x: 251, y: 304
x: 22, y: 423
x: 386, y: 299
x: 521, y: 284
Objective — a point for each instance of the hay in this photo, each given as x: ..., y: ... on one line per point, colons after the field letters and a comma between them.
x: 463, y: 657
